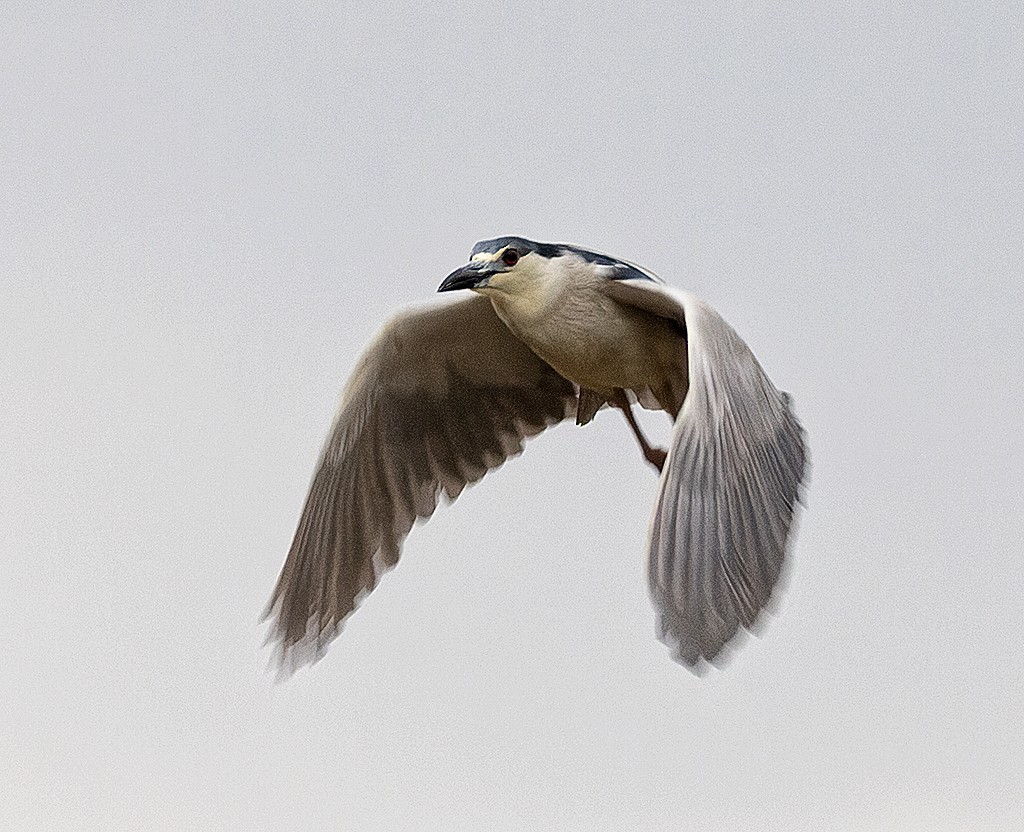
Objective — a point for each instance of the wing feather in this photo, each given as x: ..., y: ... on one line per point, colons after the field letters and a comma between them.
x: 442, y: 396
x: 729, y: 488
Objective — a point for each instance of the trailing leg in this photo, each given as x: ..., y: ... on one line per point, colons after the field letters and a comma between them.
x: 655, y: 456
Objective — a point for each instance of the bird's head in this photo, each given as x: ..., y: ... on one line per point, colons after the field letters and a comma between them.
x: 515, y: 265
x: 502, y: 264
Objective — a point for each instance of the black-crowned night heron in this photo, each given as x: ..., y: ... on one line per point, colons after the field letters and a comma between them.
x: 449, y: 392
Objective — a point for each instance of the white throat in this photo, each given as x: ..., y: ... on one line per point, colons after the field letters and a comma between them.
x: 526, y: 296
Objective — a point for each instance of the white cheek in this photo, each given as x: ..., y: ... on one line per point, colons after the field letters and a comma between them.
x: 524, y: 292
x: 524, y: 276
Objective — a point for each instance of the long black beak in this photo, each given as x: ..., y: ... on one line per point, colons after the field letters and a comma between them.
x: 473, y: 275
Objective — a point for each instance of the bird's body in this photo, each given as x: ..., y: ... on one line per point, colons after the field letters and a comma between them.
x: 566, y: 318
x: 444, y: 394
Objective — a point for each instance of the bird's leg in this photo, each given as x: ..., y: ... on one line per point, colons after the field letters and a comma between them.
x: 655, y: 456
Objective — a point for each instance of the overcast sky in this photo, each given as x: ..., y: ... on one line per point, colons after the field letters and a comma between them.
x: 204, y: 216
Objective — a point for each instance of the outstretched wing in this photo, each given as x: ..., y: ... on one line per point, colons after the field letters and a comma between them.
x: 729, y: 488
x: 442, y: 395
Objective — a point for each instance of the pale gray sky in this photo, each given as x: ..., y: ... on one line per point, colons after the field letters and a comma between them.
x: 207, y: 213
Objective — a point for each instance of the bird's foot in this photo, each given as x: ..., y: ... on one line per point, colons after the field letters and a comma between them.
x: 656, y: 456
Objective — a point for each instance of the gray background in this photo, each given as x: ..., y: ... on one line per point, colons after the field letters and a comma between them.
x: 206, y: 212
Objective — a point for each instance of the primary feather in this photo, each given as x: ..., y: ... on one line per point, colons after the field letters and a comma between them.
x: 728, y: 492
x: 443, y: 395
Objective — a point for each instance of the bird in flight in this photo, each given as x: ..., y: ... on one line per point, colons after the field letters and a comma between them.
x: 550, y: 332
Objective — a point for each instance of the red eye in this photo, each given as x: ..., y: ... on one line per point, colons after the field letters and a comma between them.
x: 510, y: 257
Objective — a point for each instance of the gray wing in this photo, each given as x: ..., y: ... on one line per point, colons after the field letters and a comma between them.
x: 729, y: 487
x: 443, y: 395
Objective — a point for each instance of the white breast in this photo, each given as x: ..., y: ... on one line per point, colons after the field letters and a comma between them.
x: 559, y: 310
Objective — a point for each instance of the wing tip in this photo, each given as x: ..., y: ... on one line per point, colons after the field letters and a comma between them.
x: 710, y: 637
x: 289, y: 653
x: 715, y: 652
